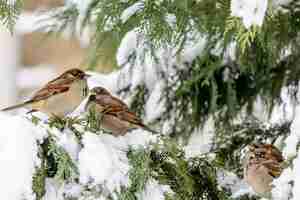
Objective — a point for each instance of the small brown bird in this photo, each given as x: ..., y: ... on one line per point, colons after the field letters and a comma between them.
x: 59, y: 96
x: 263, y: 163
x: 115, y: 114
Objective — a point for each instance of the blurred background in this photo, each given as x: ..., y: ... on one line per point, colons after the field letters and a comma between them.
x: 32, y: 58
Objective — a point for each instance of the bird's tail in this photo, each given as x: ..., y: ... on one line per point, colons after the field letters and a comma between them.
x: 17, y: 106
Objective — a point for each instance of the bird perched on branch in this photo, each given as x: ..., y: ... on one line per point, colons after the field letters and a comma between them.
x: 59, y: 96
x: 263, y: 163
x: 115, y: 114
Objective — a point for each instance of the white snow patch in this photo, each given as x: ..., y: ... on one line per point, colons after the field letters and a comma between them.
x: 155, y: 105
x: 109, y: 81
x: 282, y: 185
x: 277, y: 3
x: 53, y: 190
x: 95, y: 164
x: 138, y: 76
x: 70, y: 143
x: 11, y: 2
x: 81, y: 5
x: 18, y: 157
x: 130, y: 11
x: 103, y: 159
x: 127, y: 47
x: 252, y: 12
x: 296, y: 176
x: 29, y: 22
x: 191, y: 52
x: 140, y: 138
x: 237, y: 186
x: 155, y: 191
x: 290, y: 149
x: 201, y: 140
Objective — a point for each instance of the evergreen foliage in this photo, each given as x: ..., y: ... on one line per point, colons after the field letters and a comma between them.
x: 264, y: 60
x: 9, y: 12
x: 213, y: 83
x: 235, y: 67
x: 230, y: 144
x: 165, y: 162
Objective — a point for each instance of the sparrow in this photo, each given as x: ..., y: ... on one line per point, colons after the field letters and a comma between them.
x: 115, y: 114
x: 59, y: 96
x: 263, y: 163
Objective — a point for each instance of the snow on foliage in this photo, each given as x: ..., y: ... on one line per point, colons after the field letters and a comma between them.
x: 98, y: 154
x: 237, y: 186
x: 18, y: 157
x: 155, y: 191
x: 102, y: 158
x: 128, y: 12
x: 282, y: 185
x: 252, y: 12
x: 296, y: 177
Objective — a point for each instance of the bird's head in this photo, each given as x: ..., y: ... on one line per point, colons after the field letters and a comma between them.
x: 99, y: 91
x: 76, y: 73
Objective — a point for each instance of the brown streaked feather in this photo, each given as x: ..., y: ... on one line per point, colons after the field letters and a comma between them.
x: 274, y: 168
x: 129, y: 117
x: 49, y: 91
x: 116, y: 110
x: 267, y: 151
x: 110, y: 101
x: 133, y: 119
x: 56, y: 86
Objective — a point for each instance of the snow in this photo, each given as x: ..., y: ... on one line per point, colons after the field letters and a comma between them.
x: 237, y: 186
x: 127, y: 47
x: 155, y: 191
x: 103, y: 160
x: 69, y: 142
x: 29, y: 22
x: 201, y: 140
x: 95, y: 164
x: 155, y: 105
x: 277, y: 3
x: 11, y: 2
x: 138, y: 76
x: 282, y: 185
x: 252, y: 12
x: 296, y: 176
x: 192, y: 51
x: 293, y: 139
x: 53, y: 190
x: 130, y: 11
x: 18, y: 156
x: 81, y: 5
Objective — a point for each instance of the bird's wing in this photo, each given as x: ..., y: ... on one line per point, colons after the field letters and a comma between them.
x: 58, y: 85
x: 274, y: 167
x: 130, y: 117
x: 109, y: 101
x: 277, y: 155
x: 50, y: 90
x: 114, y: 106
